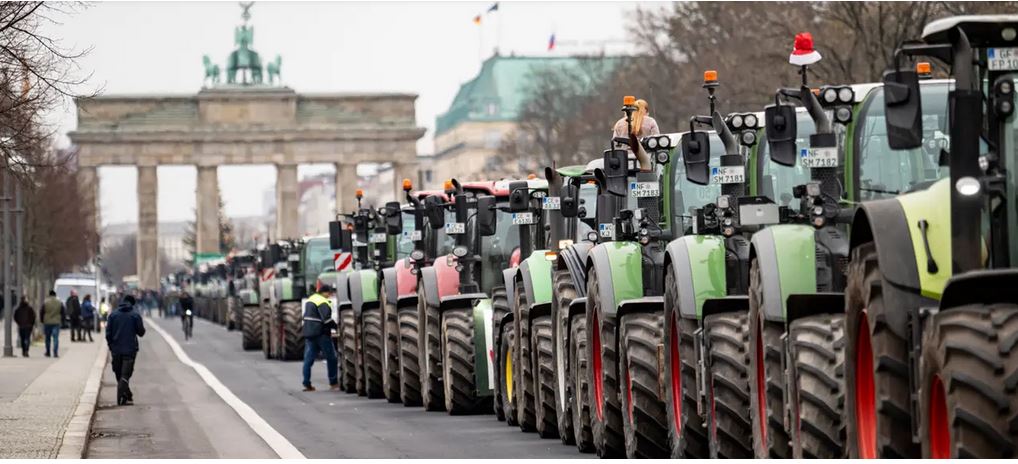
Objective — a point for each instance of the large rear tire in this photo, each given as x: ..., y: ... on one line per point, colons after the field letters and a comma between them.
x: 252, y: 325
x: 877, y: 366
x: 232, y: 321
x: 292, y: 335
x: 818, y: 369
x: 523, y: 363
x: 564, y: 293
x: 506, y: 341
x: 500, y: 307
x: 371, y: 349
x: 644, y: 420
x: 459, y: 376
x: 606, y: 420
x: 686, y: 432
x: 265, y: 327
x: 767, y: 377
x: 580, y: 383
x: 969, y: 380
x: 431, y: 377
x: 544, y: 380
x: 347, y: 341
x: 728, y: 348
x: 390, y: 349
x: 409, y: 367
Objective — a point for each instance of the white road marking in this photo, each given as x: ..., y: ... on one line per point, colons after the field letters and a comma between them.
x: 274, y: 439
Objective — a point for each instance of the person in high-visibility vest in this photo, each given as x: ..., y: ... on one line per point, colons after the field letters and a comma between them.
x: 318, y: 324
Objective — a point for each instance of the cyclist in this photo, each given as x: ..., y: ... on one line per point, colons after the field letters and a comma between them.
x: 187, y: 314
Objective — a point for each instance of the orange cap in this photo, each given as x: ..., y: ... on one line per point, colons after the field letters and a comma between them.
x: 407, y: 185
x: 710, y: 76
x: 447, y: 185
x: 628, y: 100
x: 359, y: 193
x: 923, y: 67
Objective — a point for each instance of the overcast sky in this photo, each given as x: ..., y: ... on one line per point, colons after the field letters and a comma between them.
x: 429, y: 48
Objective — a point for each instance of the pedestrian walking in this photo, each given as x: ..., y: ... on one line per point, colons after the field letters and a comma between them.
x: 24, y: 316
x: 87, y: 317
x: 104, y: 312
x: 318, y: 325
x: 52, y: 316
x: 74, y: 312
x: 122, y: 331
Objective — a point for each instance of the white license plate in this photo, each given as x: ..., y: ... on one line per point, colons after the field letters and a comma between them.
x: 728, y: 175
x: 644, y: 189
x: 825, y: 157
x: 607, y: 230
x: 358, y: 244
x: 377, y: 238
x: 1002, y: 59
x: 552, y: 203
x: 523, y: 219
x: 455, y: 228
x: 415, y: 235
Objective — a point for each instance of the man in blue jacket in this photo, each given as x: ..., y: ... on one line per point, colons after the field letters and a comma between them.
x: 123, y: 327
x: 317, y: 331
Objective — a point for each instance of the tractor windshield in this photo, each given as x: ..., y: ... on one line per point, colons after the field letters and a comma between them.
x: 404, y: 242
x: 884, y: 172
x: 318, y: 257
x: 689, y: 196
x: 776, y: 181
x: 587, y: 210
x: 497, y: 249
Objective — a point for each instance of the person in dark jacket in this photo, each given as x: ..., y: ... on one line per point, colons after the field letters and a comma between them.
x: 87, y: 318
x: 318, y: 325
x: 24, y: 316
x: 123, y: 328
x: 186, y: 310
x: 74, y: 312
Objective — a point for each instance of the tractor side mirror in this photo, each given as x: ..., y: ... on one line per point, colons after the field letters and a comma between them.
x: 615, y: 171
x: 696, y: 156
x: 570, y: 206
x: 435, y: 211
x: 519, y: 198
x: 903, y: 110
x: 275, y: 252
x: 335, y: 229
x: 780, y: 123
x: 486, y: 215
x: 393, y: 218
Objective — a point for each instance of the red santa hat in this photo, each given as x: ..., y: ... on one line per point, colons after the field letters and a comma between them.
x: 803, y: 52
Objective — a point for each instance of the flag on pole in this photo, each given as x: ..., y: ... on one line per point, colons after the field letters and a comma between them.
x: 551, y: 42
x: 477, y: 20
x: 493, y: 7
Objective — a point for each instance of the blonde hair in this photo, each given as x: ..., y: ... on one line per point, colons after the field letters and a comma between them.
x: 642, y: 109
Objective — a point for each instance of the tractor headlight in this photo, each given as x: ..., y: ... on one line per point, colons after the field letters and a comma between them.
x: 459, y: 251
x: 652, y: 143
x: 818, y: 210
x: 813, y: 189
x: 748, y: 138
x: 829, y: 95
x: 751, y: 121
x: 736, y: 121
x: 724, y: 201
x: 664, y: 142
x: 846, y: 95
x: 843, y: 114
x: 661, y: 157
x: 417, y: 255
x: 592, y: 236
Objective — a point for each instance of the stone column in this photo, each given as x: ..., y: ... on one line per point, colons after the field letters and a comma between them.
x: 346, y: 185
x: 148, y: 228
x: 207, y: 222
x: 402, y: 171
x: 286, y: 201
x: 88, y: 189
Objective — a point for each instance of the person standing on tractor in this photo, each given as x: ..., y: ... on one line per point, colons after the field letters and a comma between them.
x: 640, y: 125
x: 318, y: 324
x: 52, y: 316
x: 122, y: 332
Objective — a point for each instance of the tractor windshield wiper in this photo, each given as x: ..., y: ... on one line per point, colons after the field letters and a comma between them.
x: 886, y: 192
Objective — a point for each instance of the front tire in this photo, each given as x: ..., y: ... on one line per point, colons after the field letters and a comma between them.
x: 606, y: 420
x: 390, y: 350
x: 458, y: 356
x: 728, y: 357
x: 505, y: 368
x: 767, y: 384
x: 252, y: 328
x: 371, y: 349
x: 409, y: 367
x: 348, y: 340
x: 544, y: 380
x: 523, y: 363
x: 500, y: 307
x: 643, y: 414
x: 817, y: 363
x: 432, y: 393
x: 292, y: 338
x: 686, y: 432
x: 578, y: 368
x: 563, y: 295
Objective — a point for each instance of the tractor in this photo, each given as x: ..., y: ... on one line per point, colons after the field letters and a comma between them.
x: 241, y: 292
x: 931, y: 297
x: 298, y: 265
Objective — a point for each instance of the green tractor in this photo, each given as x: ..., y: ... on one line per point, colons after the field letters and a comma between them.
x: 931, y: 312
x: 240, y: 288
x: 298, y: 267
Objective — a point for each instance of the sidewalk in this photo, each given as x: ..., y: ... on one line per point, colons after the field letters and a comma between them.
x: 39, y: 398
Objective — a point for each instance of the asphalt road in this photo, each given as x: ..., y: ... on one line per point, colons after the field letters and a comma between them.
x: 324, y: 424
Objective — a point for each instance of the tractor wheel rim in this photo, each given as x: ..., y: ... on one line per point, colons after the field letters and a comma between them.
x: 940, y: 432
x: 598, y: 382
x: 675, y: 367
x: 508, y: 377
x: 761, y: 384
x: 865, y: 392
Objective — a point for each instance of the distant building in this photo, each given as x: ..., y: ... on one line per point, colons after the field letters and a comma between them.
x: 171, y: 239
x: 484, y: 111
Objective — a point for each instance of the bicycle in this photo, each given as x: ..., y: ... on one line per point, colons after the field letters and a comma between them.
x: 188, y: 324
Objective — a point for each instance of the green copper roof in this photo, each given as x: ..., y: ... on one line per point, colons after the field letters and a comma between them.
x: 499, y: 89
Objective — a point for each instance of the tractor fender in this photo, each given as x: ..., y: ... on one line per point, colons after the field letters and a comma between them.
x: 647, y: 304
x: 538, y: 310
x: 248, y: 297
x: 484, y: 347
x: 802, y: 305
x: 577, y: 306
x: 447, y: 278
x: 536, y: 275
x: 619, y: 266
x: 283, y: 288
x: 698, y: 263
x: 364, y: 290
x: 981, y: 287
x: 786, y: 256
x: 459, y: 301
x: 429, y: 283
x: 389, y: 284
x: 728, y: 304
x: 509, y: 281
x: 573, y: 259
x: 406, y: 280
x: 343, y: 288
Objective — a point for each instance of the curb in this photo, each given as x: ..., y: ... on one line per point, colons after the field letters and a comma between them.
x: 75, y: 439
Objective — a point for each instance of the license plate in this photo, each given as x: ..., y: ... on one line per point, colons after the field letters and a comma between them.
x: 552, y: 203
x: 377, y: 238
x: 1002, y: 59
x: 728, y: 175
x: 644, y: 189
x: 415, y: 235
x: 824, y: 157
x: 358, y: 244
x: 455, y: 228
x: 523, y: 219
x: 607, y: 230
